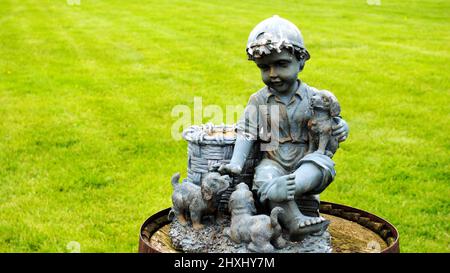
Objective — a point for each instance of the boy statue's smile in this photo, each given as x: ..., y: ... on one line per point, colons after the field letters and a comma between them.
x: 288, y: 174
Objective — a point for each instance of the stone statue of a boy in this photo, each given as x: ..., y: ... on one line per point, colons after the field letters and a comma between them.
x: 285, y: 172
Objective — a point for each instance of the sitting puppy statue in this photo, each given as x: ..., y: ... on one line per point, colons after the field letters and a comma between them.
x: 324, y: 106
x: 261, y: 232
x: 197, y: 200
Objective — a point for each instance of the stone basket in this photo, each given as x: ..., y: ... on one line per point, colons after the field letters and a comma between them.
x: 210, y: 144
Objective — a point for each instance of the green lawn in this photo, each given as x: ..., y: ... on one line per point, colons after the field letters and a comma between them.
x: 86, y: 94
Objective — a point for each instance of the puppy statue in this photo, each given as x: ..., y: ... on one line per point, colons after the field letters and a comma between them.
x: 324, y: 106
x: 197, y: 200
x: 261, y: 232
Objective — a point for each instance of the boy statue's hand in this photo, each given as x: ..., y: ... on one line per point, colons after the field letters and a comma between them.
x: 230, y: 168
x: 340, y: 129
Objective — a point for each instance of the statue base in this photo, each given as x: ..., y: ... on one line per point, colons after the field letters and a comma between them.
x: 351, y: 231
x: 211, y: 239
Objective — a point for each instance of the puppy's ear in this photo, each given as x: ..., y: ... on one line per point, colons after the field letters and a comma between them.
x: 207, y: 193
x: 250, y: 202
x: 230, y: 205
x: 335, y: 107
x: 252, y: 207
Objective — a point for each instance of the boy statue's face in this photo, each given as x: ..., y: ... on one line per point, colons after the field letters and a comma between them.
x: 279, y: 70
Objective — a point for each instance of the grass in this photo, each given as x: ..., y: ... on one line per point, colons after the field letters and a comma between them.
x: 86, y: 94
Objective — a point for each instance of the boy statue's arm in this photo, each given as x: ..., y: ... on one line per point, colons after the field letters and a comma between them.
x: 246, y: 128
x: 242, y: 148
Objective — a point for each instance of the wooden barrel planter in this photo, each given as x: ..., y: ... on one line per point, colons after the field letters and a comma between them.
x: 352, y: 230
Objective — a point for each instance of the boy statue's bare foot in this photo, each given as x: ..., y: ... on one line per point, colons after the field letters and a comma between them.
x: 304, y: 225
x: 303, y: 221
x: 283, y: 188
x: 298, y: 224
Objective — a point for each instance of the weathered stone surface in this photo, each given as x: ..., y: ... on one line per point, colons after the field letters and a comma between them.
x: 212, y: 240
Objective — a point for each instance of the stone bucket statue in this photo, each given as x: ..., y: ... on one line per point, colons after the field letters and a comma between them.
x: 211, y: 145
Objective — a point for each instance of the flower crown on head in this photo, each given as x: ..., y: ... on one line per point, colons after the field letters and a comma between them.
x: 265, y: 45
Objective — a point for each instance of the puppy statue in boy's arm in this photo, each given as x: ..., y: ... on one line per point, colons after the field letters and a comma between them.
x: 324, y: 108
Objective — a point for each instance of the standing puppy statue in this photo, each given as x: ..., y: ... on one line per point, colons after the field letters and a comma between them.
x: 261, y: 232
x: 197, y: 200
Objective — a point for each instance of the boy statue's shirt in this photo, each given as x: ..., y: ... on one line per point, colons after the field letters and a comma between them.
x: 289, y: 132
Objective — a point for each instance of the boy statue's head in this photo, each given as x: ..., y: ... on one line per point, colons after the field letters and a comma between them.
x: 276, y: 46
